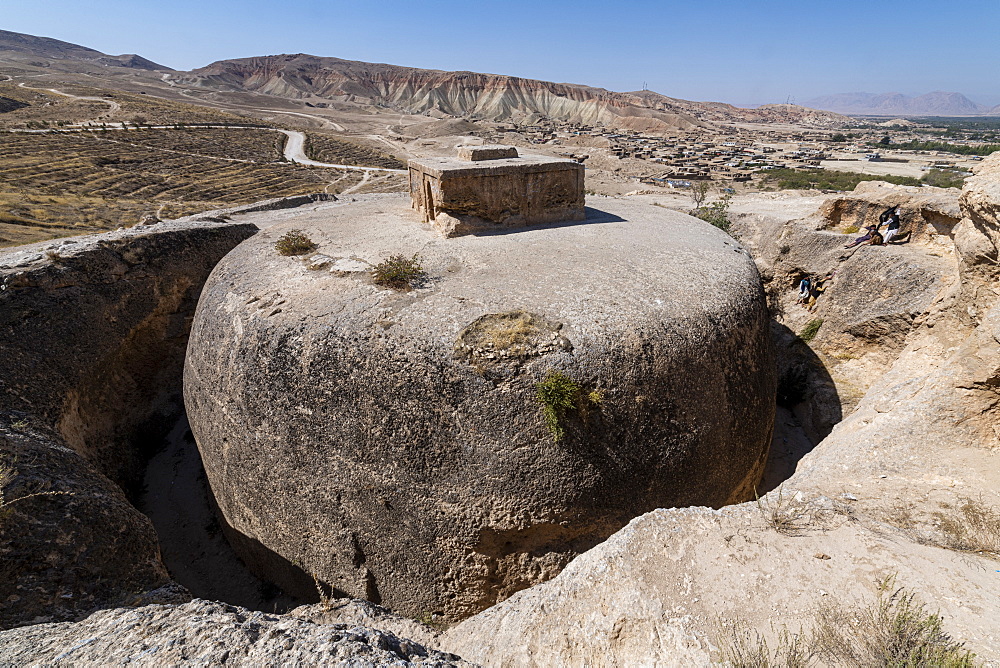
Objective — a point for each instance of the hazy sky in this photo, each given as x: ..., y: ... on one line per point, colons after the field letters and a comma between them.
x: 742, y: 52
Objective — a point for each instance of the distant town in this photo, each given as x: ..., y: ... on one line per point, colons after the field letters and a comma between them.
x: 744, y: 150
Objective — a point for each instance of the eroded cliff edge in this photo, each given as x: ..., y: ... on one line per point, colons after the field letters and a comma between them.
x: 93, y: 332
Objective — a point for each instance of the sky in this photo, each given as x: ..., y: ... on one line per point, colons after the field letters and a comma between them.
x: 748, y: 52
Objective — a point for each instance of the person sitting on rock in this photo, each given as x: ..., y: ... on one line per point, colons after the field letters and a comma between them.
x: 804, y: 286
x: 818, y: 288
x: 893, y: 228
x: 871, y: 229
x: 887, y: 215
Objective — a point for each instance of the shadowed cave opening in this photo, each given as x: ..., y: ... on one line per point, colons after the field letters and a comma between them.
x: 807, y: 406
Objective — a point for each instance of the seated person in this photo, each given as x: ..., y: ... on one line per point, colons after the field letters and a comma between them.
x: 893, y: 228
x: 804, y: 286
x: 871, y: 229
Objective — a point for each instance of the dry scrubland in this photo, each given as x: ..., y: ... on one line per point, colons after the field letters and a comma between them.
x: 46, y: 106
x: 326, y: 148
x: 76, y: 182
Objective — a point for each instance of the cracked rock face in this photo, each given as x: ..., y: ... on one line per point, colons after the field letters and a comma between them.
x: 92, y: 339
x: 206, y: 633
x: 393, y: 445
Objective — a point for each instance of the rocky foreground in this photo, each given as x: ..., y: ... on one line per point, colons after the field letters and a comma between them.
x: 899, y: 498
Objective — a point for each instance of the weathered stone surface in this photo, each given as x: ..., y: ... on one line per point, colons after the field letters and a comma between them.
x: 977, y: 239
x: 660, y: 591
x: 94, y: 331
x: 486, y: 152
x: 69, y: 540
x: 926, y: 212
x: 461, y: 197
x: 919, y: 448
x: 203, y: 633
x: 346, y: 432
x: 365, y: 613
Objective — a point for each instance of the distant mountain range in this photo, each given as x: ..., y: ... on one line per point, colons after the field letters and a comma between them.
x: 439, y: 94
x: 478, y: 96
x: 938, y: 103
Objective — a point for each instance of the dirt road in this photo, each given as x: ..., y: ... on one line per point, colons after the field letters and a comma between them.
x: 295, y: 152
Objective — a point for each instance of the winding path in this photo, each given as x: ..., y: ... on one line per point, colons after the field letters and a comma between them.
x: 113, y: 107
x: 294, y: 147
x: 295, y: 152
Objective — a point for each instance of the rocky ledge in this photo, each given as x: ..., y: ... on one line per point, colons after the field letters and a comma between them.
x: 93, y: 331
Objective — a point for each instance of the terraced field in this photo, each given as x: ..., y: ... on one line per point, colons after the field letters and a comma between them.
x: 52, y: 109
x: 44, y: 107
x: 62, y: 183
x: 326, y: 148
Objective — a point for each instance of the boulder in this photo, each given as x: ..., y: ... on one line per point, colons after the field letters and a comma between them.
x: 69, y: 539
x: 207, y: 633
x: 393, y: 444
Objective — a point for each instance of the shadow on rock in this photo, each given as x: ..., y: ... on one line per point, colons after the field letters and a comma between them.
x: 808, y: 406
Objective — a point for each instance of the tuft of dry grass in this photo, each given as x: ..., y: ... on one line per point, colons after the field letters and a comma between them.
x: 7, y: 477
x: 294, y: 242
x: 510, y: 332
x: 970, y: 525
x: 787, y: 515
x: 895, y: 630
x: 399, y: 272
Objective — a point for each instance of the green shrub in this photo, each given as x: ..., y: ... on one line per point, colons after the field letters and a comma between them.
x: 809, y: 332
x: 960, y: 149
x: 399, y: 272
x: 940, y: 178
x: 558, y: 395
x: 294, y: 242
x: 561, y: 396
x: 851, y: 229
x: 716, y: 213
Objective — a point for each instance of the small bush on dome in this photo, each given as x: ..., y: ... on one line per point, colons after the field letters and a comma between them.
x: 399, y: 272
x: 294, y: 242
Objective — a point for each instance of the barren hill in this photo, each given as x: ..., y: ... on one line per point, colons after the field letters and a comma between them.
x: 21, y: 49
x: 481, y: 96
x: 937, y: 103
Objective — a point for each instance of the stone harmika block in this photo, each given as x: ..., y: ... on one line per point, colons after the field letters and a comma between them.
x: 478, y: 195
x: 488, y: 152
